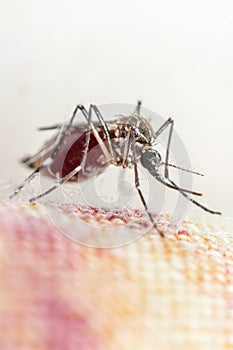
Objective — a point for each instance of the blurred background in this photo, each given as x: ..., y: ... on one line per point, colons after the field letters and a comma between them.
x: 176, y: 56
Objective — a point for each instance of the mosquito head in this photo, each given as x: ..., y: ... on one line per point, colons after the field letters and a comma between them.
x: 151, y: 159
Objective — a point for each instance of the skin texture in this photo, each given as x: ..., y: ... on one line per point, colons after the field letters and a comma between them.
x: 155, y: 293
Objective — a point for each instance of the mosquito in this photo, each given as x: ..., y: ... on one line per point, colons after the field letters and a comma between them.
x: 124, y: 142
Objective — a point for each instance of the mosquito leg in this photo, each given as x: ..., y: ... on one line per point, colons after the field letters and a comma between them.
x: 61, y: 138
x: 105, y: 128
x: 138, y: 108
x: 91, y: 126
x: 27, y: 180
x: 31, y: 161
x: 187, y: 170
x: 164, y: 126
x: 168, y: 148
x: 194, y: 201
x: 78, y: 168
x: 88, y: 136
x: 50, y: 127
x: 164, y: 182
x: 65, y: 132
x: 166, y: 163
x: 58, y: 183
x: 49, y: 160
x: 171, y: 123
x: 126, y: 149
x: 158, y: 132
x: 182, y: 191
x: 137, y: 185
x: 60, y: 142
x: 88, y: 117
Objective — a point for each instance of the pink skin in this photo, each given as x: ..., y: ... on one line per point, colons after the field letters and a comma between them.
x: 38, y: 273
x: 183, y: 232
x: 66, y: 329
x: 55, y: 294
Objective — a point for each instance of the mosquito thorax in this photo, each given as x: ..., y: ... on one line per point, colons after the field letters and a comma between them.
x: 143, y: 131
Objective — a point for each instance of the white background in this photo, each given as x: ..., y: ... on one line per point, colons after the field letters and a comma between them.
x: 177, y: 56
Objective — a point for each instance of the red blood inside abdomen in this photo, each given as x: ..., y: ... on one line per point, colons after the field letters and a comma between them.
x: 71, y: 154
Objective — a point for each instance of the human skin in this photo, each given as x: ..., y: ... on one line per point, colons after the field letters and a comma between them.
x: 154, y: 293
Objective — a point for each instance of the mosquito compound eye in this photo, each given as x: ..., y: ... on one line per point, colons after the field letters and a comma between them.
x: 150, y: 159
